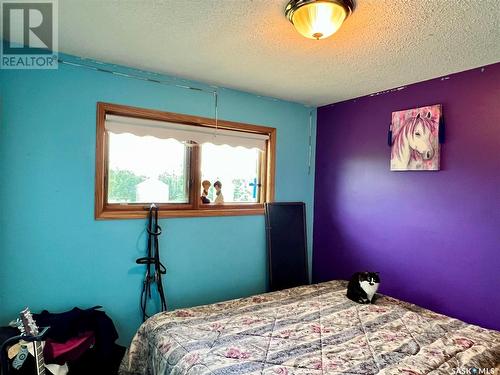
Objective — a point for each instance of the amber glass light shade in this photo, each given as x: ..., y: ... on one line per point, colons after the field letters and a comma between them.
x: 319, y: 19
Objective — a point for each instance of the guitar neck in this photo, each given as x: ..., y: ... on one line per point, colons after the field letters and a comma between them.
x: 40, y: 363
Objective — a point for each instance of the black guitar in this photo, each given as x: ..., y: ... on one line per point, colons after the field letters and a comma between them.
x: 30, y: 334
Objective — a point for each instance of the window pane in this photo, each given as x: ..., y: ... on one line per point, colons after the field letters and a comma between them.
x: 146, y: 170
x: 237, y: 168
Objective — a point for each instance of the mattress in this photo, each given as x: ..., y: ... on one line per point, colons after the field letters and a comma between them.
x: 313, y: 330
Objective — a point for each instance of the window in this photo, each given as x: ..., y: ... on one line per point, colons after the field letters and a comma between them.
x: 187, y: 165
x: 237, y: 168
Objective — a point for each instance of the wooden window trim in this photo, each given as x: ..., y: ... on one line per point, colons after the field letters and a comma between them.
x: 104, y: 210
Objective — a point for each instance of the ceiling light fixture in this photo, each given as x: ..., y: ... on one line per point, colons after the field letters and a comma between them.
x: 318, y: 19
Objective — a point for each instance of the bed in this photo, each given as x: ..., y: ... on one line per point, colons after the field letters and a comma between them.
x: 313, y: 330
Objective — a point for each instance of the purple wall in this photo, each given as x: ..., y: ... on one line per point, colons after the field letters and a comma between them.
x: 434, y: 236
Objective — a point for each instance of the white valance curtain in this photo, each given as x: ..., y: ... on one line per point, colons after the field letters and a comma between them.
x: 184, y: 133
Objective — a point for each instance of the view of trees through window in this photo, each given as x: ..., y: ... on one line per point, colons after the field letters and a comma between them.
x: 123, y: 186
x: 148, y: 169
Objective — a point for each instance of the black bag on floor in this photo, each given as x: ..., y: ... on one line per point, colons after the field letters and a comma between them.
x: 103, y: 357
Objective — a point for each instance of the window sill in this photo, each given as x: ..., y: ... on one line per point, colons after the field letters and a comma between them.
x: 212, y: 210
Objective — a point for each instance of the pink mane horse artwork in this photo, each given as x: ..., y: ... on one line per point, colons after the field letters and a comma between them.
x: 415, y: 139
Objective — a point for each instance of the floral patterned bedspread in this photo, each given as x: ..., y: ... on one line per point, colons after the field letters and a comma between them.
x: 313, y: 330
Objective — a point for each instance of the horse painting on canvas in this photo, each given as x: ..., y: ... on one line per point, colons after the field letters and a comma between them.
x: 415, y: 144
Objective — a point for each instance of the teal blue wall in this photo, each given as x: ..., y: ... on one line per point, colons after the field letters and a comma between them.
x: 54, y: 255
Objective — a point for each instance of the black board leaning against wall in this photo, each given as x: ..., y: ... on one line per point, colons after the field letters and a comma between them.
x: 286, y: 244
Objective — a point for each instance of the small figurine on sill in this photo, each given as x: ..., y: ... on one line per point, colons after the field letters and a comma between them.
x: 204, y: 194
x: 219, y: 199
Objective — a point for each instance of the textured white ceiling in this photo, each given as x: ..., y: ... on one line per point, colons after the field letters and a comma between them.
x: 250, y: 45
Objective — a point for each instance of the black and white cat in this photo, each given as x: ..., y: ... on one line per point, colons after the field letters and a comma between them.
x: 363, y: 286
